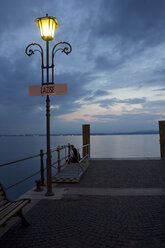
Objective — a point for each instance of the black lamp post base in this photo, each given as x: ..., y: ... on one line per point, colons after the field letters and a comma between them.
x: 49, y: 194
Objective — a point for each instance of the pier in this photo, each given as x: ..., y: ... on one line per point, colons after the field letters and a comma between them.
x: 94, y: 203
x: 117, y: 203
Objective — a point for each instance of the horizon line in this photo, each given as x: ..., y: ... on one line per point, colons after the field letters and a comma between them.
x: 97, y: 133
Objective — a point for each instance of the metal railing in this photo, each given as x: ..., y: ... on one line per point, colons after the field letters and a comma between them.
x: 82, y: 152
x: 64, y: 158
x: 41, y: 171
x: 85, y: 152
x: 61, y: 161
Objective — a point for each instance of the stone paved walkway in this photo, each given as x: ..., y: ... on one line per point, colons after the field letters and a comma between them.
x: 81, y: 220
x: 92, y: 221
x: 123, y: 174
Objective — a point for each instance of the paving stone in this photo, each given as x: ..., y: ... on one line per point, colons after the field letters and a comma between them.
x: 99, y: 221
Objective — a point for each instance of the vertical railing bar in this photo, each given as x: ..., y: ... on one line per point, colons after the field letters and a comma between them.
x: 78, y: 170
x: 78, y: 161
x: 42, y: 167
x: 58, y: 150
x: 68, y: 153
x: 65, y: 155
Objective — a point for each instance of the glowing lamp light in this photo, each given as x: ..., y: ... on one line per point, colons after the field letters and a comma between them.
x: 47, y: 27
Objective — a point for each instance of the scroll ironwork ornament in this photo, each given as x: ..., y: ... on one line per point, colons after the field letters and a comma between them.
x: 30, y: 52
x: 66, y: 49
x: 62, y: 46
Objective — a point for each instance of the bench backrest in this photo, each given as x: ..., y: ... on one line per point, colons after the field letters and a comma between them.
x: 3, y: 198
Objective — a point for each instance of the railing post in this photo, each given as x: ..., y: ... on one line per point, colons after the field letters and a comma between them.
x: 42, y: 167
x: 65, y: 155
x: 58, y: 150
x: 68, y: 153
x: 162, y: 138
x: 78, y: 170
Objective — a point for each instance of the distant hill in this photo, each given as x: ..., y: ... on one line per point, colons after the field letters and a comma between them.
x: 72, y: 134
x: 127, y: 133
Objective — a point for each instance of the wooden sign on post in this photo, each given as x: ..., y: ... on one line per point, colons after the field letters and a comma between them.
x: 48, y: 89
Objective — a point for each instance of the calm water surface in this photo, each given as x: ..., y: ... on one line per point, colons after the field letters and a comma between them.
x: 102, y: 146
x: 125, y: 146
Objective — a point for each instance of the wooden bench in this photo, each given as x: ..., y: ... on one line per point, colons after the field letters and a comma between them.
x: 8, y: 209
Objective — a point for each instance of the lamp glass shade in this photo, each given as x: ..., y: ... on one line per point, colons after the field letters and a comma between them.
x: 47, y: 27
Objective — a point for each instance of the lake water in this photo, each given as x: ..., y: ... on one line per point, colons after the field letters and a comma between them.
x: 102, y: 146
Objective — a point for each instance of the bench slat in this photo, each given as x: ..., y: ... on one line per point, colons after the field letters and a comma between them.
x: 4, y: 205
x: 3, y: 202
x: 2, y: 195
x: 17, y: 205
x: 13, y: 212
x: 9, y: 209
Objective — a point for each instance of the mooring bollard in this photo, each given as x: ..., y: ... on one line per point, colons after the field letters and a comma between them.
x: 38, y: 186
x: 86, y: 139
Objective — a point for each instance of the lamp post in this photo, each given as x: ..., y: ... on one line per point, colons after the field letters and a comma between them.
x: 47, y: 27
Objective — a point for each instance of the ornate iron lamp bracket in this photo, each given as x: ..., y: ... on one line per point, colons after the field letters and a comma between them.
x: 66, y: 49
x: 30, y: 52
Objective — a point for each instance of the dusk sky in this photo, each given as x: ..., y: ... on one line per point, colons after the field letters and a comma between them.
x: 115, y: 73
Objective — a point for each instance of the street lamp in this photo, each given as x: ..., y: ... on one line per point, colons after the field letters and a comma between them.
x: 47, y: 27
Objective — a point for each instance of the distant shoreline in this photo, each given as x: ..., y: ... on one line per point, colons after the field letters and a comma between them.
x: 92, y: 134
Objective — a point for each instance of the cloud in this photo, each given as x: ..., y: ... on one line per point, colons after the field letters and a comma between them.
x: 137, y: 116
x: 104, y: 63
x: 98, y: 93
x: 131, y: 20
x: 160, y: 89
x: 158, y: 103
x: 133, y: 100
x: 93, y: 95
x: 113, y: 101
